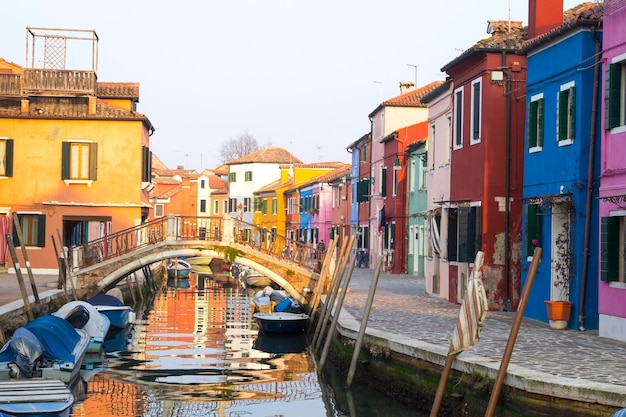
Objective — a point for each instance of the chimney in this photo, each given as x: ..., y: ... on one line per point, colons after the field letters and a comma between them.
x: 543, y: 16
x: 406, y: 86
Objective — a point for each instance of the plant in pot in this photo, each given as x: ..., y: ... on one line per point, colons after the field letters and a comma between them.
x: 559, y: 307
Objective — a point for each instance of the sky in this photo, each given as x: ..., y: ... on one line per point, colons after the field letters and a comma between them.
x: 299, y: 74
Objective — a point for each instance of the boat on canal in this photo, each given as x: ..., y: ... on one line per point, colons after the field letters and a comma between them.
x: 178, y: 268
x: 111, y: 305
x: 46, y: 347
x: 83, y: 315
x: 281, y: 322
x: 35, y: 397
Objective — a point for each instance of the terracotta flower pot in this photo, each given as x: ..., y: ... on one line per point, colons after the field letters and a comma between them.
x: 558, y: 313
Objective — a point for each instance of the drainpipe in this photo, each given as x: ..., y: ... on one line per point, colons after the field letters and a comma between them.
x: 507, y: 182
x: 592, y: 141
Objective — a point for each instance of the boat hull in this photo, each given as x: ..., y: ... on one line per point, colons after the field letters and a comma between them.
x: 281, y: 322
x: 35, y: 397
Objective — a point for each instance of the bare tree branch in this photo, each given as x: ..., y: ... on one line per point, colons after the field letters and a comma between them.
x: 242, y: 145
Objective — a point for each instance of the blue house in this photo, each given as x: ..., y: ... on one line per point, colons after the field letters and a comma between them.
x: 560, y: 194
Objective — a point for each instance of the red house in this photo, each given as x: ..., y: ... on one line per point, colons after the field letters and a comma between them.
x: 484, y: 210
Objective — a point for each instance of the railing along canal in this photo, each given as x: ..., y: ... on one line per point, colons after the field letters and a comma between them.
x: 191, y: 228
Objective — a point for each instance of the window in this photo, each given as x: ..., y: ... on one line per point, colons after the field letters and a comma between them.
x: 232, y: 205
x: 533, y: 228
x: 394, y: 188
x: 33, y: 230
x: 535, y: 123
x: 79, y: 160
x: 202, y: 206
x: 566, y: 111
x: 225, y: 207
x: 146, y: 164
x: 464, y: 233
x: 362, y: 191
x: 448, y: 140
x: 423, y: 166
x: 274, y: 206
x: 6, y: 157
x: 458, y: 118
x: 612, y: 245
x: 158, y: 210
x: 216, y: 207
x: 264, y: 206
x: 476, y: 111
x: 615, y: 104
x: 203, y: 184
x: 247, y: 176
x: 383, y: 181
x: 247, y: 204
x: 412, y: 175
x: 232, y: 177
x: 365, y: 153
x: 432, y: 145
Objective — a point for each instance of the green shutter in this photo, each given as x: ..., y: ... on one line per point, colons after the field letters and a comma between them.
x: 614, y: 88
x: 540, y: 122
x: 532, y: 124
x: 571, y: 126
x: 364, y: 153
x: 8, y: 167
x: 464, y: 244
x: 609, y: 249
x: 533, y: 227
x: 65, y: 161
x: 16, y: 240
x: 93, y: 161
x: 562, y: 115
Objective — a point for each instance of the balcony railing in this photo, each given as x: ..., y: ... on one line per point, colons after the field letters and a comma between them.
x: 52, y: 82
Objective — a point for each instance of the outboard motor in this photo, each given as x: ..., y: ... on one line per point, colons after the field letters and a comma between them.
x: 78, y: 317
x: 24, y: 349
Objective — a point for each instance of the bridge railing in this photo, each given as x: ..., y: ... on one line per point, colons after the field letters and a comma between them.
x: 146, y: 234
x: 291, y: 250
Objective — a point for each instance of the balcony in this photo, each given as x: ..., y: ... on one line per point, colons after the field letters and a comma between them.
x: 48, y: 82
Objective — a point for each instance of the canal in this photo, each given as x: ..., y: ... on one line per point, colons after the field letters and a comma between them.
x: 196, y: 352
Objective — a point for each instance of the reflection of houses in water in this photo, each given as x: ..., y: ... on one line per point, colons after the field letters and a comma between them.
x: 109, y: 397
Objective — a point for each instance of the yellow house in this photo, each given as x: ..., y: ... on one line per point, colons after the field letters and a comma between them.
x: 74, y: 159
x: 269, y: 205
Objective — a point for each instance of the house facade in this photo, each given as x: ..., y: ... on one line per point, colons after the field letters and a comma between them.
x: 416, y: 213
x: 561, y: 163
x: 401, y: 111
x: 75, y: 159
x: 436, y: 268
x: 483, y: 212
x: 612, y: 201
x: 360, y: 202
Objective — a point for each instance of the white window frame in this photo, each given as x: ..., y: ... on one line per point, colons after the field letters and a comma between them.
x: 567, y: 141
x: 538, y: 148
x: 474, y: 141
x: 448, y: 144
x: 457, y: 136
x: 159, y: 210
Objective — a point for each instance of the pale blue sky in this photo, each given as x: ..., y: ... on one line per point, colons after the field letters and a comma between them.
x: 301, y: 74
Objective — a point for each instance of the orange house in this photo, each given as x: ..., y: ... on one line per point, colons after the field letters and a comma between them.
x: 74, y: 159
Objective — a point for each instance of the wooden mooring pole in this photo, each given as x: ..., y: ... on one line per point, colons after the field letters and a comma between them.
x: 20, y: 278
x: 33, y: 284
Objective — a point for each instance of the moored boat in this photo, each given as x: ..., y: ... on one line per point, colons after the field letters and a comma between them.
x: 178, y: 268
x: 46, y: 347
x: 119, y: 314
x: 277, y: 322
x: 83, y: 315
x: 35, y: 397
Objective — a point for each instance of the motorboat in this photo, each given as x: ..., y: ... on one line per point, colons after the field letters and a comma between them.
x: 277, y: 322
x: 35, y: 397
x: 46, y: 347
x: 178, y: 268
x: 83, y: 315
x: 111, y: 305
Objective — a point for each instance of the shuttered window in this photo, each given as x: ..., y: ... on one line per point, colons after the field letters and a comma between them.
x: 79, y: 160
x: 469, y: 232
x: 533, y: 228
x: 33, y: 230
x: 610, y: 244
x: 6, y: 157
x: 566, y: 126
x: 535, y: 123
x: 615, y: 96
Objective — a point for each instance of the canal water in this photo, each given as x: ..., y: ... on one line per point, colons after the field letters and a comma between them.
x: 196, y: 352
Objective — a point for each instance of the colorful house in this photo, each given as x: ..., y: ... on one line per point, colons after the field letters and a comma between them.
x: 483, y: 212
x: 561, y: 165
x: 396, y: 220
x: 360, y: 201
x: 436, y: 268
x: 401, y: 111
x: 612, y: 271
x: 75, y: 155
x: 416, y: 203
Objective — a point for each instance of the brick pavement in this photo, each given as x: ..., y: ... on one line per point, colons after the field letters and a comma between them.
x: 561, y: 363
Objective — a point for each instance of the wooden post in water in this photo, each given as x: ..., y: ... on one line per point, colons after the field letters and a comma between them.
x: 20, y: 278
x: 333, y: 324
x: 330, y: 300
x: 130, y: 289
x: 332, y: 284
x: 510, y: 344
x: 319, y: 287
x: 366, y: 316
x: 138, y: 286
x: 68, y: 272
x: 62, y: 281
x: 33, y: 284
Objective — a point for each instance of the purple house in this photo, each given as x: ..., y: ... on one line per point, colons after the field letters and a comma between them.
x: 612, y: 286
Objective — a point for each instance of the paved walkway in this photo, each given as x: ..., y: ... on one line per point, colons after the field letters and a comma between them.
x: 561, y: 363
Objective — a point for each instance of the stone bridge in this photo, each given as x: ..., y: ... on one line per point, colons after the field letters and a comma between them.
x: 103, y: 263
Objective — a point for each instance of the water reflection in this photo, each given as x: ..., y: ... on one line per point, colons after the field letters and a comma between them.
x: 197, y: 352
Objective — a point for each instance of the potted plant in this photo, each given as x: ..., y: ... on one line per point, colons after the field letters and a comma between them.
x: 559, y: 308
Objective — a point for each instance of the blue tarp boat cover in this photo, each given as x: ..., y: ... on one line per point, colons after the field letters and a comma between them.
x: 57, y: 336
x: 105, y: 300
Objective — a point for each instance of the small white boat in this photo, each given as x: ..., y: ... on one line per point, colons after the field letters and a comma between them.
x: 35, y: 397
x: 112, y: 306
x: 83, y: 315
